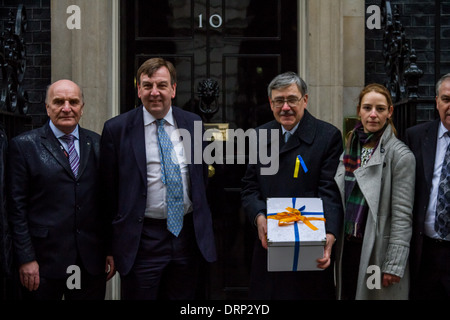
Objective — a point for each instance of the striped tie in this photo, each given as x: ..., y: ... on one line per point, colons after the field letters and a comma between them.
x: 74, y: 159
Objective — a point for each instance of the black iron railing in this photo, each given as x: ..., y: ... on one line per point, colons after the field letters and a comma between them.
x: 13, y: 63
x: 402, y: 72
x: 13, y: 97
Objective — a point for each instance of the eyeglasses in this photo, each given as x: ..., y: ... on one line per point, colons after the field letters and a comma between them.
x: 291, y: 101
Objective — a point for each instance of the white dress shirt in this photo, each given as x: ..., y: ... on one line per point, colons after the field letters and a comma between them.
x: 441, y: 147
x: 156, y: 191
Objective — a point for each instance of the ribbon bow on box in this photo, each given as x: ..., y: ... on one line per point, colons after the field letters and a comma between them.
x: 293, y: 215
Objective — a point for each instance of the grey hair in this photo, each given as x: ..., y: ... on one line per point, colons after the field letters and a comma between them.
x: 286, y: 79
x: 438, y: 84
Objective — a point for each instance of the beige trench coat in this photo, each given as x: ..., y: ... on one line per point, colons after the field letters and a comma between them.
x: 387, y: 183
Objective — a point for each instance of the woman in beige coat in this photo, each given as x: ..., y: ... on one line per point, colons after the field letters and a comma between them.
x: 376, y: 177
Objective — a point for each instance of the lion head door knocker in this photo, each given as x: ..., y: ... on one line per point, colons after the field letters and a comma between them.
x: 208, y: 92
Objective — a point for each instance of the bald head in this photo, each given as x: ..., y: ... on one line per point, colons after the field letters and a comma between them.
x: 64, y: 104
x: 62, y: 82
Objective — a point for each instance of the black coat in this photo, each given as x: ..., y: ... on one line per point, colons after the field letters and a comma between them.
x: 320, y: 145
x: 55, y: 217
x: 422, y: 140
x: 5, y: 239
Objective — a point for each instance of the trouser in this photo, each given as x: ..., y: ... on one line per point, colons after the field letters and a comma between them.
x: 166, y: 267
x: 434, y: 278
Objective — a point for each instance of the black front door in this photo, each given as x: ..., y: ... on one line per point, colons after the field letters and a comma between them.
x: 225, y: 52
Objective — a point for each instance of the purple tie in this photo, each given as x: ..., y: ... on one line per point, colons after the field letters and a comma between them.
x: 74, y: 159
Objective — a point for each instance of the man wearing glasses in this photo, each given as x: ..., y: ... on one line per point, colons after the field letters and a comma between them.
x: 319, y: 144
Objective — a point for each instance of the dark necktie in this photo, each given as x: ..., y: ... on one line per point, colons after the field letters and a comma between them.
x: 442, y: 222
x: 171, y: 177
x: 74, y: 159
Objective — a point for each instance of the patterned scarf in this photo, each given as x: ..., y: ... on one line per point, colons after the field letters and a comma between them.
x: 356, y: 206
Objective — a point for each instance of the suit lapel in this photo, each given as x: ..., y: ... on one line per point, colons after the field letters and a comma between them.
x: 271, y: 127
x: 136, y: 133
x: 429, y: 144
x: 51, y: 143
x: 85, y: 150
x: 305, y: 132
x: 182, y: 123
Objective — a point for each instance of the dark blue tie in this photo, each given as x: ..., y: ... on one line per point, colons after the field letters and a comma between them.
x: 442, y: 222
x: 171, y: 177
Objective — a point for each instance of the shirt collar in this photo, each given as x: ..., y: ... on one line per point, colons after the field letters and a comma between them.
x: 442, y: 130
x: 58, y: 133
x: 149, y: 118
x: 292, y: 130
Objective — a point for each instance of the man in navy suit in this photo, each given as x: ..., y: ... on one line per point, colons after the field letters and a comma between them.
x: 430, y: 251
x: 153, y: 262
x: 319, y: 144
x: 57, y: 227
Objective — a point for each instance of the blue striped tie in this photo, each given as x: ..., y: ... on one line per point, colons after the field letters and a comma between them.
x: 171, y: 177
x: 74, y: 159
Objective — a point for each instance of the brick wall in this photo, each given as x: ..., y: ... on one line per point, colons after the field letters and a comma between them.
x: 37, y: 39
x: 419, y: 18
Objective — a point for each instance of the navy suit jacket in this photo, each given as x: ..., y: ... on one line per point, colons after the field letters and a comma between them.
x: 55, y: 217
x: 124, y: 178
x: 422, y: 140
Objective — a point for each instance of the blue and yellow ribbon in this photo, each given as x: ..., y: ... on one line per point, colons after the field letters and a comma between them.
x: 299, y: 161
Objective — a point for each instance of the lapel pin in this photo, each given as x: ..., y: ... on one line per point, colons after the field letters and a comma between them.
x: 299, y: 161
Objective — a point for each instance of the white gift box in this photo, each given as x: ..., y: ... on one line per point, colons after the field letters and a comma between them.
x: 296, y: 246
